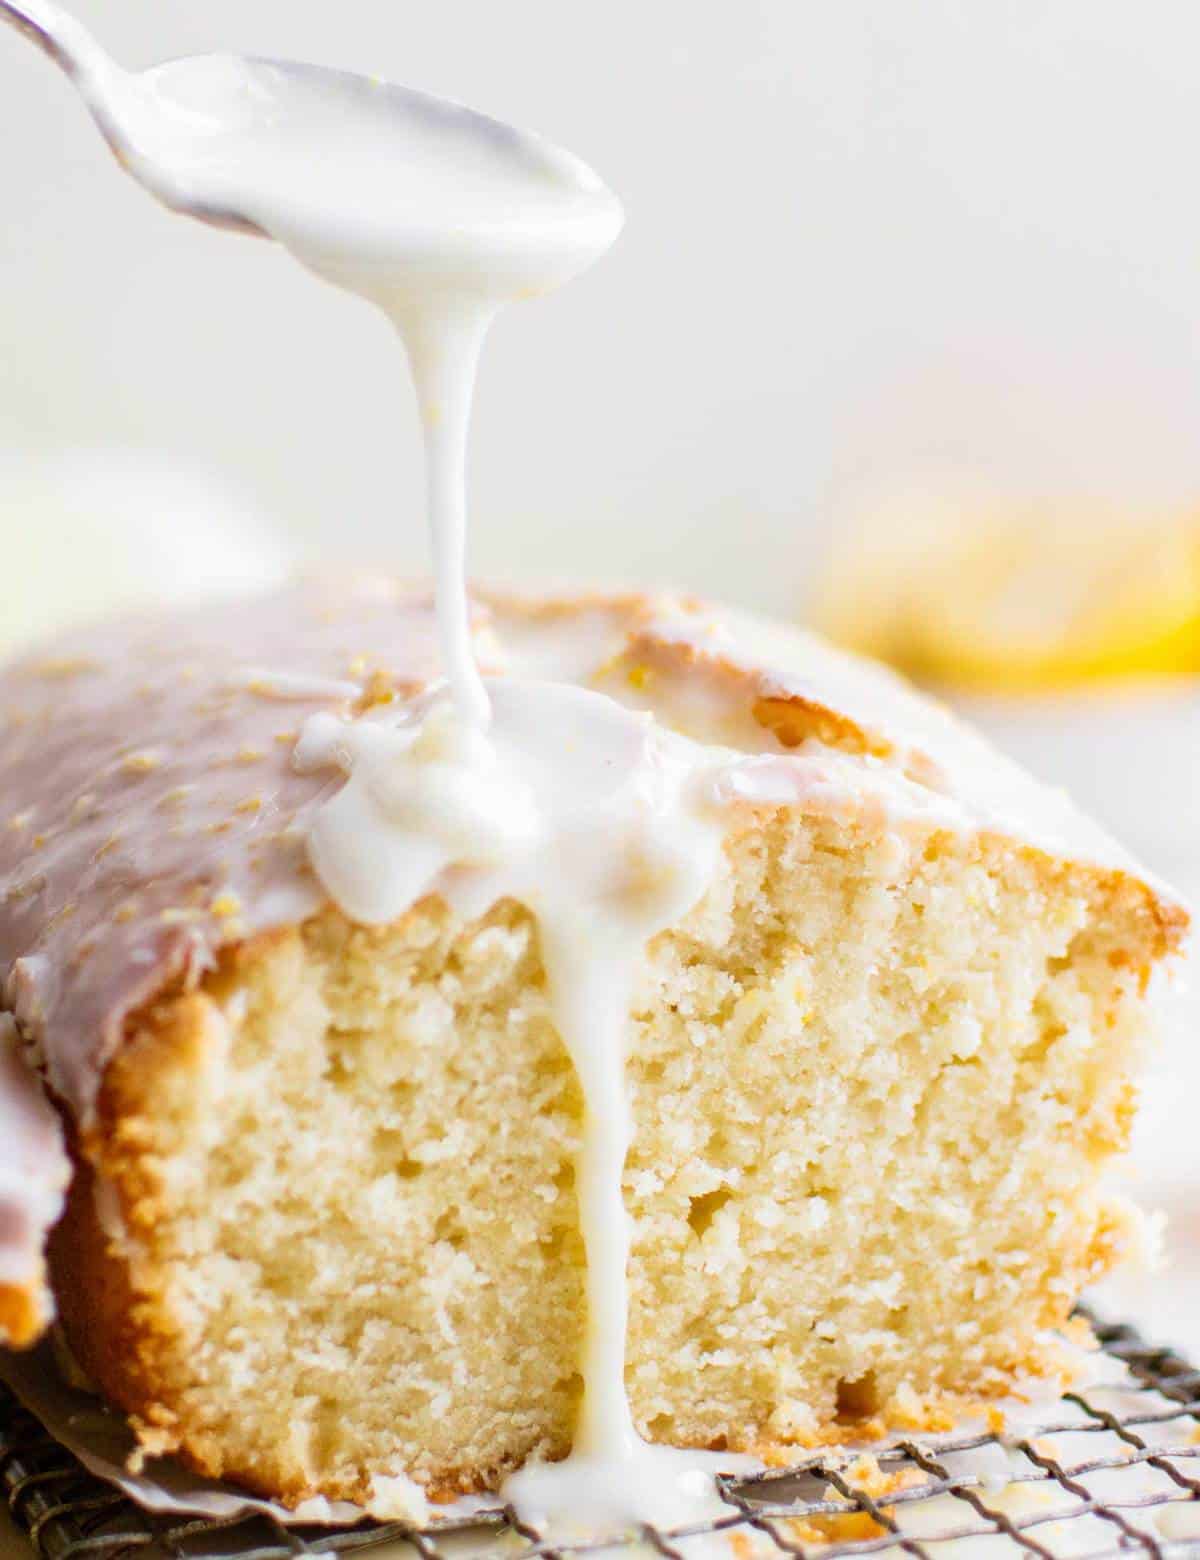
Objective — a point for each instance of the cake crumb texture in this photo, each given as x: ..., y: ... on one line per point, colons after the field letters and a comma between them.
x: 325, y: 1231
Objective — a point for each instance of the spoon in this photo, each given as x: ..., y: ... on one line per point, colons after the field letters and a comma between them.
x: 283, y: 149
x: 437, y: 214
x: 107, y: 91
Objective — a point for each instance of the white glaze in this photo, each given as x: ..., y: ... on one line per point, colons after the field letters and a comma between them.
x: 287, y: 685
x: 604, y: 824
x: 607, y: 826
x: 437, y: 214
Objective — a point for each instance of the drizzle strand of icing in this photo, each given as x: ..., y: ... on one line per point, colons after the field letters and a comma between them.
x: 604, y: 824
x: 443, y: 355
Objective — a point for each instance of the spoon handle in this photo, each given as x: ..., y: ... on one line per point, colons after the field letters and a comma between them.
x: 37, y: 21
x: 105, y: 89
x: 66, y: 41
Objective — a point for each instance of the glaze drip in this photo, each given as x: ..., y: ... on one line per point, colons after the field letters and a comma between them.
x: 606, y: 825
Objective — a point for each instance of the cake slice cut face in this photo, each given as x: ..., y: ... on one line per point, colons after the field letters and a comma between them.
x: 324, y: 1228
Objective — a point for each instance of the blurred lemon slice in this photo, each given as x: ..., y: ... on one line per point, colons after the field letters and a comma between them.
x: 1035, y: 599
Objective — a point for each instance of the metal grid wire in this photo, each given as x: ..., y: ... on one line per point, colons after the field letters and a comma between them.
x: 1110, y: 1471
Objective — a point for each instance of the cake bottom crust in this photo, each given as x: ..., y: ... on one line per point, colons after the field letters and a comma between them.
x: 117, y: 1356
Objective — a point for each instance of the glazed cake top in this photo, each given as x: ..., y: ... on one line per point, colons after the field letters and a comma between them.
x: 153, y: 813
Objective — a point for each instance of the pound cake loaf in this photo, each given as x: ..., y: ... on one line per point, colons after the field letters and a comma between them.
x: 322, y: 1230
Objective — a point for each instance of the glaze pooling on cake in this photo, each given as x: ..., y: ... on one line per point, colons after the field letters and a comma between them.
x: 83, y: 718
x: 71, y: 863
x: 90, y: 925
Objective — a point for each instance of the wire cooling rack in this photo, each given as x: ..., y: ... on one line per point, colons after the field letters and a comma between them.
x: 1112, y: 1470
